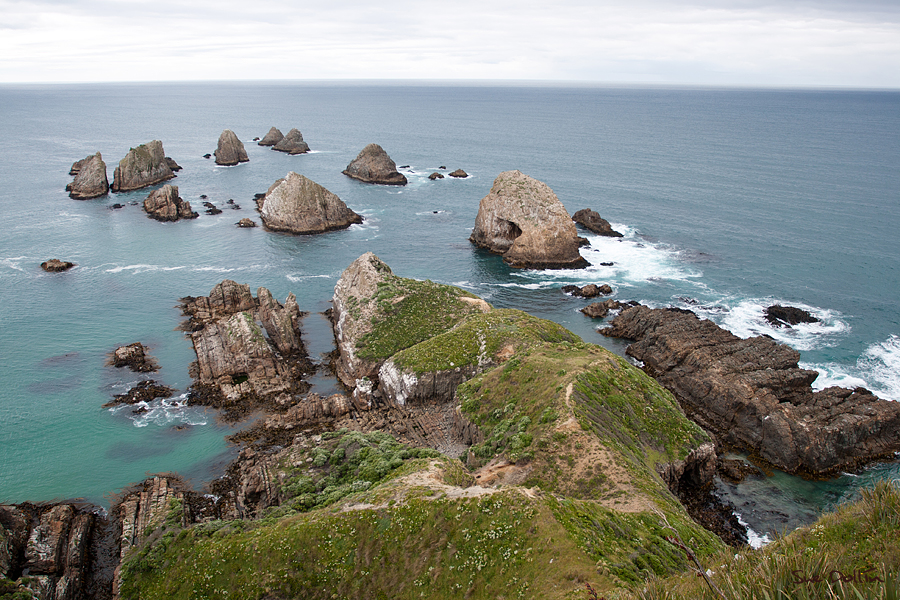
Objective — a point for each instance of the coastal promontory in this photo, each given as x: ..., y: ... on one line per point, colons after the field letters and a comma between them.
x: 230, y: 150
x: 292, y: 143
x: 90, y: 178
x: 373, y: 165
x: 299, y: 205
x: 165, y: 204
x: 142, y: 166
x: 523, y: 220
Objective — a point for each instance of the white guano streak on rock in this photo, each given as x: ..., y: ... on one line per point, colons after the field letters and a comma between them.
x: 396, y: 383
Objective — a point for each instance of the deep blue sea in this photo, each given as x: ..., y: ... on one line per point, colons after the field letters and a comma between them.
x: 730, y: 200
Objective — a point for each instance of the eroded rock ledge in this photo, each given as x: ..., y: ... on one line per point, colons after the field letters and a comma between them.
x: 523, y: 220
x: 754, y: 397
x: 249, y: 350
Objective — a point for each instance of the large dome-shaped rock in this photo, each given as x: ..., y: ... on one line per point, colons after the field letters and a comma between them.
x: 230, y: 150
x: 522, y: 219
x: 292, y: 143
x: 299, y: 205
x: 592, y: 221
x: 373, y: 165
x: 90, y: 178
x: 273, y: 137
x: 143, y: 166
x: 164, y: 204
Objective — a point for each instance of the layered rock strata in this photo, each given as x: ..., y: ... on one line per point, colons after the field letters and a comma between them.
x: 523, y: 220
x: 90, y: 178
x: 754, y: 397
x: 165, y: 204
x: 142, y: 166
x: 299, y: 205
x: 592, y: 221
x: 249, y: 350
x: 292, y: 143
x: 230, y: 150
x: 373, y: 165
x: 273, y: 137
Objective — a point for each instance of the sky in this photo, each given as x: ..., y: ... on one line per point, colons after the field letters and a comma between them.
x: 793, y: 43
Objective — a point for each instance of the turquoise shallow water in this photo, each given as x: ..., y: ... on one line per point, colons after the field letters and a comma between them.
x: 730, y: 200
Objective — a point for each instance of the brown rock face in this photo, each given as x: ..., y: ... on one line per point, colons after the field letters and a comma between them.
x: 373, y: 165
x: 164, y: 204
x: 435, y: 175
x: 143, y: 166
x: 54, y: 265
x: 230, y: 150
x: 241, y: 365
x: 273, y: 137
x: 292, y: 143
x: 523, y: 220
x: 90, y: 178
x: 590, y: 220
x: 300, y: 205
x: 135, y: 357
x: 753, y: 396
x: 459, y: 173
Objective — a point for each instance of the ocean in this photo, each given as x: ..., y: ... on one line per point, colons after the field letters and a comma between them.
x: 730, y: 200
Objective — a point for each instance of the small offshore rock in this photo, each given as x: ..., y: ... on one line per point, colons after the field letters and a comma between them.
x: 299, y: 205
x: 598, y: 310
x: 164, y: 204
x: 54, y: 265
x: 273, y: 137
x: 90, y: 178
x: 589, y: 291
x: 785, y: 316
x: 230, y: 150
x: 245, y: 222
x: 135, y: 357
x: 292, y: 143
x: 435, y: 175
x: 207, y: 156
x: 172, y: 164
x: 142, y: 166
x: 459, y: 173
x: 373, y: 165
x: 592, y: 221
x: 523, y: 220
x: 144, y: 391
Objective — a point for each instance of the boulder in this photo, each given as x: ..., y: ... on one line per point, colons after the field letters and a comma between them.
x: 523, y: 220
x: 754, y: 397
x: 300, y: 205
x: 249, y: 350
x: 135, y: 357
x: 598, y: 310
x: 785, y: 316
x: 273, y: 137
x: 230, y: 150
x: 90, y: 178
x: 435, y: 175
x: 590, y: 220
x: 54, y: 265
x: 373, y: 165
x: 591, y: 290
x: 142, y: 166
x: 292, y: 143
x: 245, y: 222
x: 165, y: 204
x: 459, y: 173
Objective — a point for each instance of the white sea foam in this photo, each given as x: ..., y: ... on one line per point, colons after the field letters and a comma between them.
x: 747, y: 319
x: 163, y: 412
x: 754, y: 539
x: 882, y: 362
x: 833, y: 375
x: 633, y: 261
x: 13, y: 263
x: 296, y: 278
x: 215, y: 269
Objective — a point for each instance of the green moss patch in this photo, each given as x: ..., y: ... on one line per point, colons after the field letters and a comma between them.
x: 408, y: 311
x: 479, y: 338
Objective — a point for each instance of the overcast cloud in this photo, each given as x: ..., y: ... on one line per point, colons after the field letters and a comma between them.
x: 714, y: 42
